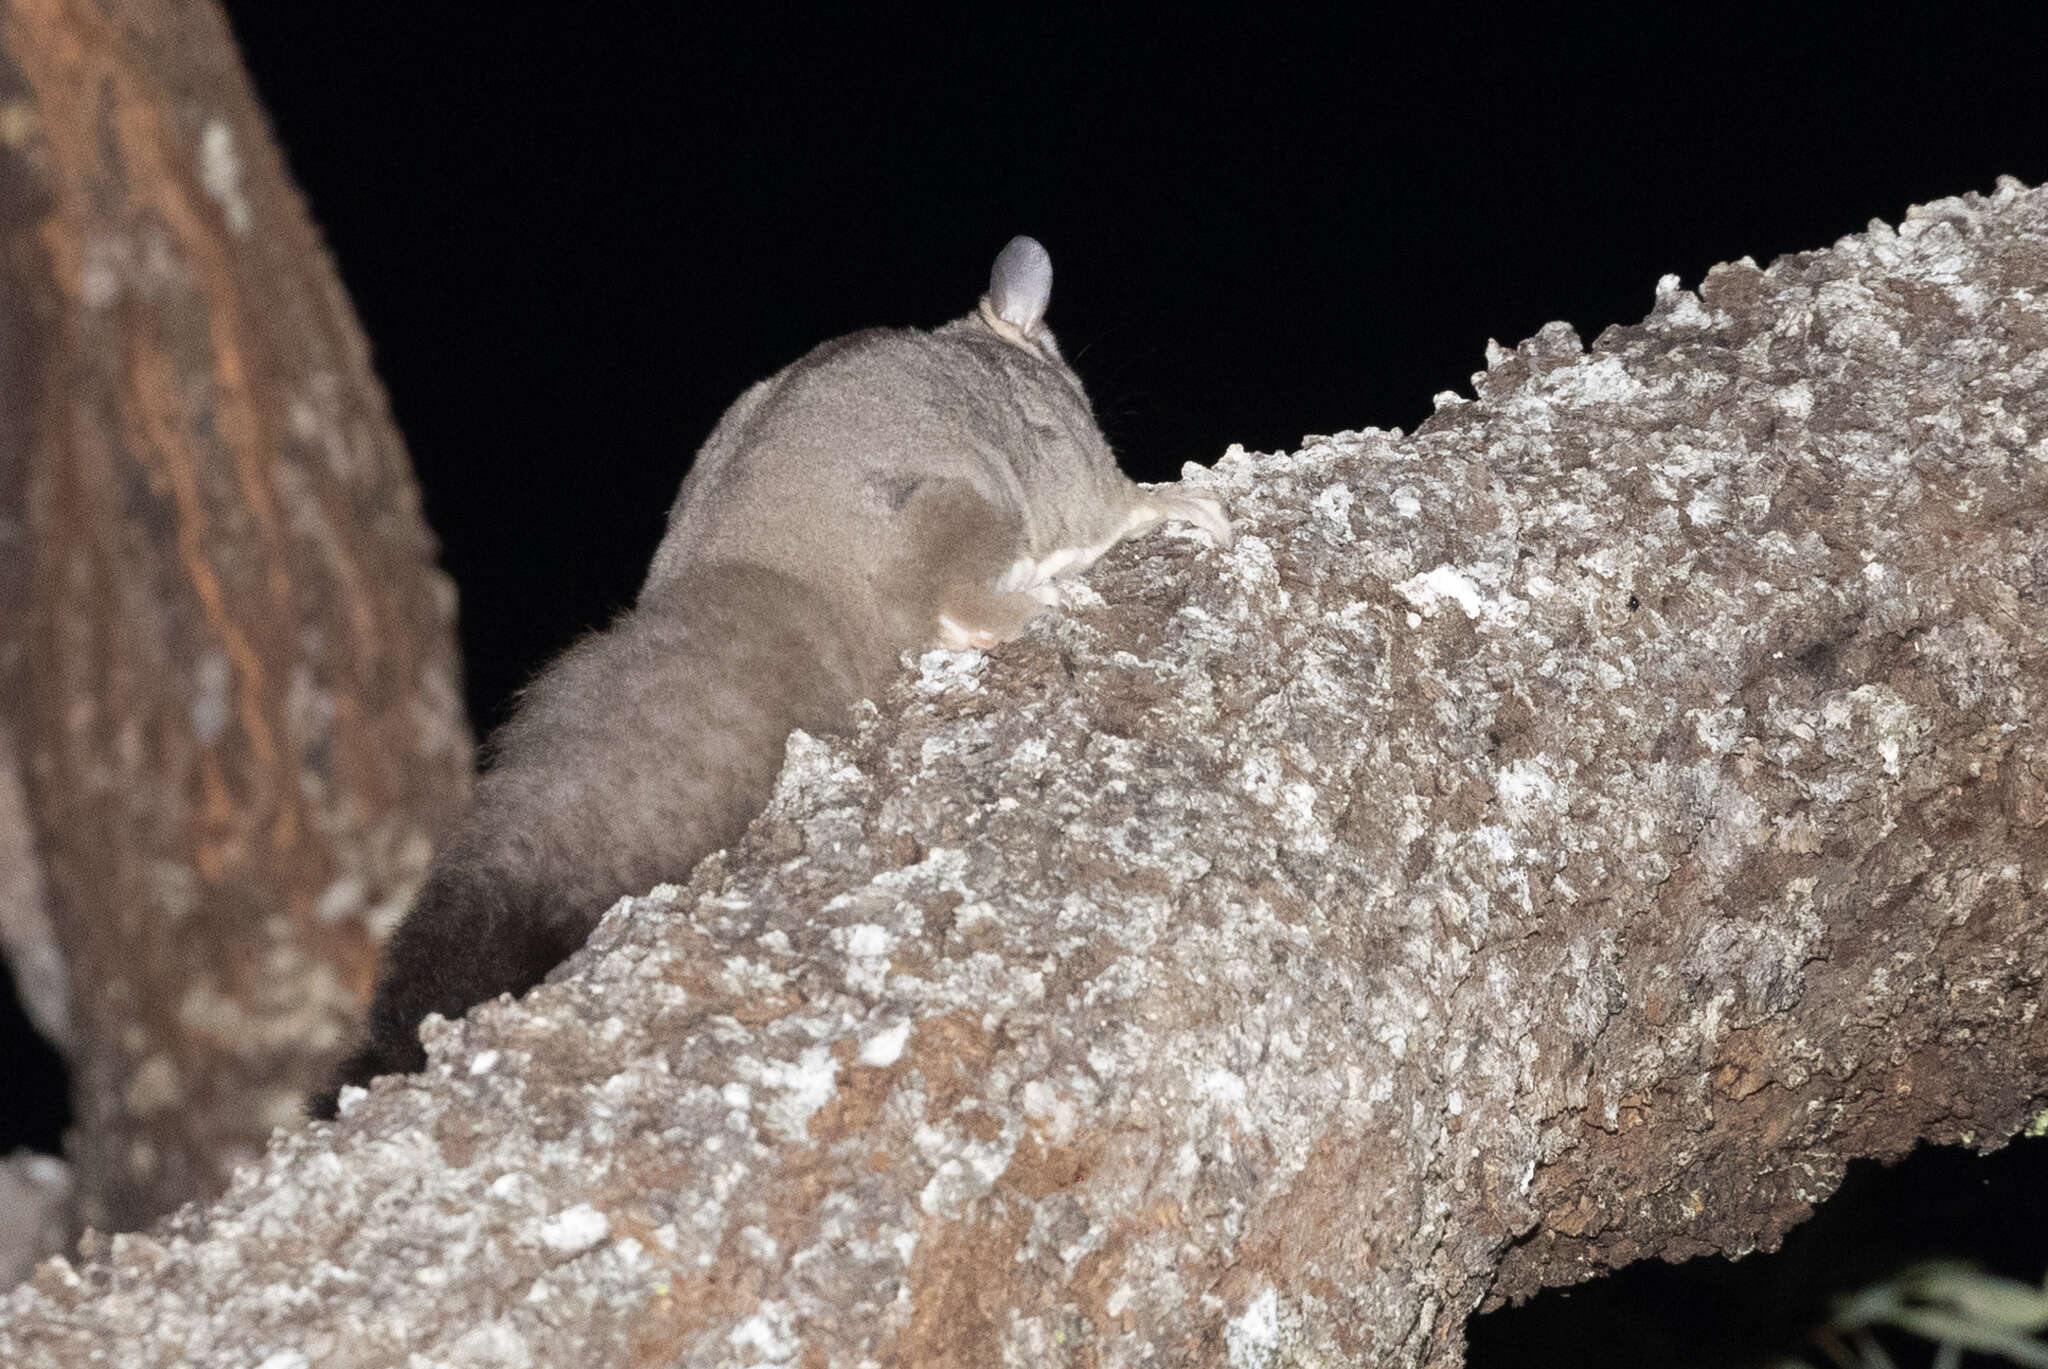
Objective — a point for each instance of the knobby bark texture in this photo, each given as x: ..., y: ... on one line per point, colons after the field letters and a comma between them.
x: 229, y: 661
x: 1565, y: 836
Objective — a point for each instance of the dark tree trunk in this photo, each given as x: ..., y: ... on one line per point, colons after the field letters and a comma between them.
x: 227, y: 658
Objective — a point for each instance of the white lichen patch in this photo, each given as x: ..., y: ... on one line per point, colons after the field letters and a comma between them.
x: 867, y: 948
x: 1333, y: 505
x: 941, y: 672
x: 1252, y: 1337
x: 220, y: 171
x: 575, y: 1230
x: 1528, y: 790
x: 768, y: 1336
x: 1719, y: 730
x: 885, y: 1047
x: 963, y: 1168
x: 1444, y: 586
x: 800, y: 1088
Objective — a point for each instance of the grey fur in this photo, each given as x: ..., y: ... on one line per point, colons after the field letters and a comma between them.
x: 892, y: 490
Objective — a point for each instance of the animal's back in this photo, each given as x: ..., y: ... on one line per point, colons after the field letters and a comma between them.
x: 890, y: 491
x: 820, y: 472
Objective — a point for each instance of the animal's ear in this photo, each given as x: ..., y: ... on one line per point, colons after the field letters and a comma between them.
x: 1020, y: 285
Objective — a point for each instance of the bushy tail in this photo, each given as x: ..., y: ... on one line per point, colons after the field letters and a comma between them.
x: 470, y: 937
x: 634, y: 755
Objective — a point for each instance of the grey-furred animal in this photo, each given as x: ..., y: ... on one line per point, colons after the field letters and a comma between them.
x: 892, y: 490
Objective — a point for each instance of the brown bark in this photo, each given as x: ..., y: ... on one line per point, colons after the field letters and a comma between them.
x: 1566, y: 836
x: 232, y: 667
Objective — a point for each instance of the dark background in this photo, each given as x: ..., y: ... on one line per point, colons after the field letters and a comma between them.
x: 576, y: 232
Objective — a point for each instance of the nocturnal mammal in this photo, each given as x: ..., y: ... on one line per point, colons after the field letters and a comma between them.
x: 892, y: 490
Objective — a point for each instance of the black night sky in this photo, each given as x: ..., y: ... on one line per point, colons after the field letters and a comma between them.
x: 575, y: 233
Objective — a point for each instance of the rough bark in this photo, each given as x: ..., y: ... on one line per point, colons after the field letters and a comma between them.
x: 1565, y: 836
x: 228, y: 654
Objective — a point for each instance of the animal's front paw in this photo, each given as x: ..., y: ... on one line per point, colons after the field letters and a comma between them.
x: 1163, y: 503
x: 1041, y: 577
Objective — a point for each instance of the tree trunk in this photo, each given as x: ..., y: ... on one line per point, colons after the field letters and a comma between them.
x: 1563, y: 837
x: 230, y: 666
